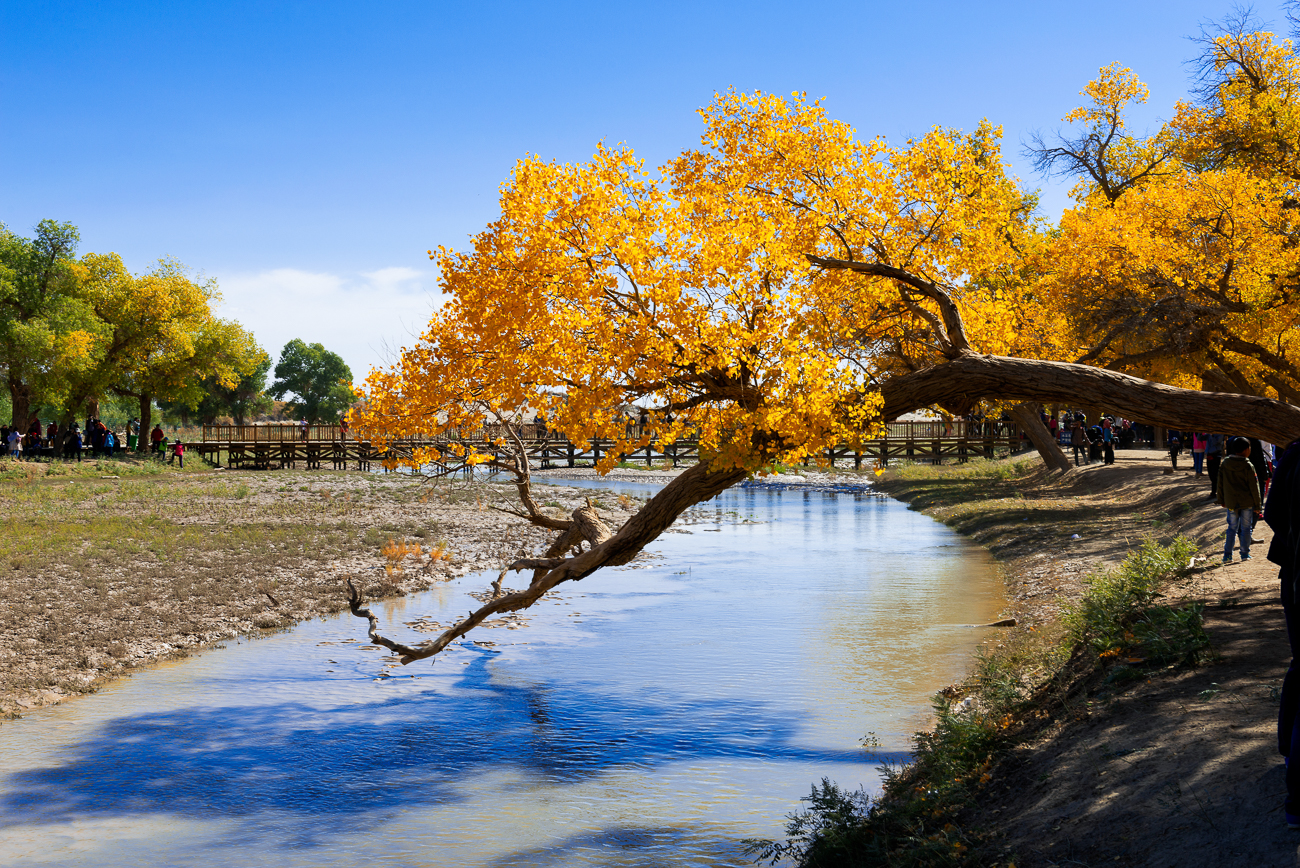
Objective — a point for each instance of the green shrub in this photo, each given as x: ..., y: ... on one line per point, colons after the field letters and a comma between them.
x: 1118, y: 617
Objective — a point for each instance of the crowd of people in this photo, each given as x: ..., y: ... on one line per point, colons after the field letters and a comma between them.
x: 74, y: 441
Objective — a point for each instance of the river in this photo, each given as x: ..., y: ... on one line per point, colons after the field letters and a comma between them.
x: 651, y: 715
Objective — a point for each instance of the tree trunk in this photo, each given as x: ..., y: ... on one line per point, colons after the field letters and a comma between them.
x: 146, y: 422
x: 1028, y: 418
x: 21, y: 396
x: 971, y: 377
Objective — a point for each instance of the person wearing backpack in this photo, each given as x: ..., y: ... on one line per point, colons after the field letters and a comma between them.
x: 1239, y: 494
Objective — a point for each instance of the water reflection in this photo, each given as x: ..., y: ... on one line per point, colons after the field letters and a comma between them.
x: 652, y: 715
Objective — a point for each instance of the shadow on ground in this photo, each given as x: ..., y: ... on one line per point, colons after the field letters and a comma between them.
x: 1181, y: 771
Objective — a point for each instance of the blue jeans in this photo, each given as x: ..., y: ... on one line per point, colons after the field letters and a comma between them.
x: 1198, y: 459
x: 1239, y: 525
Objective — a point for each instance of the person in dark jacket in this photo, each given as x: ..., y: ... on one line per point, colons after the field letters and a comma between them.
x: 1282, y: 514
x: 1239, y: 494
x: 1079, y: 439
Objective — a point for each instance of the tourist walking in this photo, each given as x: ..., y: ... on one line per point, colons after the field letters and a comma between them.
x: 302, y: 426
x: 1259, y: 462
x: 1198, y: 454
x: 72, y: 442
x: 156, y: 439
x: 1238, y: 492
x: 1079, y: 439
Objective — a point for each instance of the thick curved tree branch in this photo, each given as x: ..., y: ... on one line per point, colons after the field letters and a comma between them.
x: 972, y: 377
x: 953, y: 338
x: 697, y: 484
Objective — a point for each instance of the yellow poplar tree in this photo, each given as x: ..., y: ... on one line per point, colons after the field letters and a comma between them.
x: 782, y: 289
x: 1179, y: 260
x: 156, y: 335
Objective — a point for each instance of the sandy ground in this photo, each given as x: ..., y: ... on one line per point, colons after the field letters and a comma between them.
x: 1180, y: 769
x: 105, y: 573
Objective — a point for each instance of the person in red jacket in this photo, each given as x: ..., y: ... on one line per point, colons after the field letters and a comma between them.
x: 156, y: 438
x: 178, y: 453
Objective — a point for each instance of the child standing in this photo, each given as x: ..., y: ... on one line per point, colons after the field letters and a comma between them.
x: 178, y: 453
x: 1238, y: 492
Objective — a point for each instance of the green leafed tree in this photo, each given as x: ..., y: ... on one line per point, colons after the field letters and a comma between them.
x: 46, y: 326
x: 241, y: 400
x: 157, y: 337
x: 319, y: 381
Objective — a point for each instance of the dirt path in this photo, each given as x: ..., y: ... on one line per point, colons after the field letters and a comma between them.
x: 1180, y: 769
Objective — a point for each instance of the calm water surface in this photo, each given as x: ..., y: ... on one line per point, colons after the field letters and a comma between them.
x: 651, y: 715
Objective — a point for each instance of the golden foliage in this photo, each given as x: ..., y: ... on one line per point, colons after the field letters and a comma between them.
x: 1186, y: 273
x: 688, y: 290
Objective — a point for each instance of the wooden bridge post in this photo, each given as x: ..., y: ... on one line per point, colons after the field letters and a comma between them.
x: 857, y: 459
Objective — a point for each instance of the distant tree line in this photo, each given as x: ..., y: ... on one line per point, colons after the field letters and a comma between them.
x: 75, y: 331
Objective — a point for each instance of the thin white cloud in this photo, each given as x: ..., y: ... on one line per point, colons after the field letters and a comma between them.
x: 365, y: 318
x: 399, y: 278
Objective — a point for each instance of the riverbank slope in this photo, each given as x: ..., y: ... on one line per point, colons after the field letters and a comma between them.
x: 1176, y: 767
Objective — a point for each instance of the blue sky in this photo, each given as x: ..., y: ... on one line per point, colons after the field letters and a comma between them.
x: 306, y: 155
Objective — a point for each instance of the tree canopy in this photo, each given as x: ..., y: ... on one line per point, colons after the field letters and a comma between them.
x: 319, y: 381
x: 46, y: 329
x: 75, y: 330
x: 1178, y: 261
x: 788, y: 286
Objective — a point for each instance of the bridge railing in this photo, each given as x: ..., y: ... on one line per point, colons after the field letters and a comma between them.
x: 267, y: 432
x: 277, y: 432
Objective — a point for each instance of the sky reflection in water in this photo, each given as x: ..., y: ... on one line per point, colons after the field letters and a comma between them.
x: 651, y: 715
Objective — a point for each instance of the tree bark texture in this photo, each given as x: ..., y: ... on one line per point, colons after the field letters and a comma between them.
x: 1029, y: 419
x: 971, y: 377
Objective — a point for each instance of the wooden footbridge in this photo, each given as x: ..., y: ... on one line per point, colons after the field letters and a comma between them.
x: 265, y: 446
